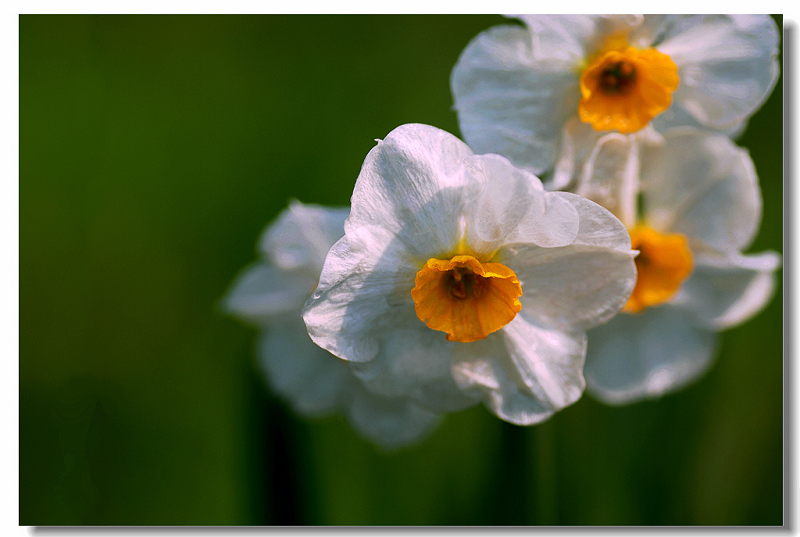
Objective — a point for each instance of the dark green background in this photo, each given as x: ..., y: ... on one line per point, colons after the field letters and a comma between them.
x: 153, y: 150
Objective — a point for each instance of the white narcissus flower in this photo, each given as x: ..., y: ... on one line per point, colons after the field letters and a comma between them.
x: 515, y: 87
x: 270, y: 294
x: 700, y: 207
x: 460, y: 279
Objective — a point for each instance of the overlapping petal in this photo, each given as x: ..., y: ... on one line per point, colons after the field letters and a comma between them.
x: 365, y: 286
x: 316, y: 383
x: 271, y: 293
x: 608, y: 172
x: 512, y: 206
x: 581, y: 285
x: 414, y: 362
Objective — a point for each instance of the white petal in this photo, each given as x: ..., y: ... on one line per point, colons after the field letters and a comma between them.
x: 603, y: 167
x: 413, y: 185
x: 365, y: 286
x: 610, y: 174
x: 525, y: 372
x: 572, y: 38
x: 300, y: 237
x: 675, y: 116
x: 651, y: 31
x: 414, y: 363
x: 580, y: 285
x: 727, y: 64
x: 598, y: 227
x: 391, y: 423
x: 261, y: 294
x: 726, y: 291
x: 703, y: 186
x: 508, y: 103
x: 646, y: 355
x: 578, y: 140
x: 312, y: 380
x: 512, y: 206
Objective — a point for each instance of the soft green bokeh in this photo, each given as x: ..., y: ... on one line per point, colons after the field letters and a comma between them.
x: 153, y: 151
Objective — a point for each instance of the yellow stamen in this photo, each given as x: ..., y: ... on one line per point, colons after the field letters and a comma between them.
x: 623, y: 90
x: 663, y: 264
x: 465, y: 298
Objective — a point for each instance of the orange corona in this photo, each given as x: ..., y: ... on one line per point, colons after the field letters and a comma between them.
x: 663, y: 264
x: 623, y: 90
x: 465, y: 298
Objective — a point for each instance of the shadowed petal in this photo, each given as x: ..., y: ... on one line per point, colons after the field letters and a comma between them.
x: 524, y: 373
x: 646, y: 355
x: 726, y: 291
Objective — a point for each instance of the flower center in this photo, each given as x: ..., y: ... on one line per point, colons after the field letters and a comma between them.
x: 617, y: 78
x: 663, y: 264
x: 624, y: 89
x: 465, y: 298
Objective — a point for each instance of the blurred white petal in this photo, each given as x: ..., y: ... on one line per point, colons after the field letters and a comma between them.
x: 312, y: 380
x: 726, y: 291
x: 316, y: 383
x: 610, y: 175
x: 675, y: 117
x: 646, y: 355
x: 301, y: 236
x: 262, y: 294
x: 727, y: 64
x: 572, y: 38
x: 390, y: 423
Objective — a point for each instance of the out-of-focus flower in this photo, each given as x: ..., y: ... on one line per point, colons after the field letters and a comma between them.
x: 700, y: 207
x: 515, y: 87
x: 270, y: 294
x: 460, y: 279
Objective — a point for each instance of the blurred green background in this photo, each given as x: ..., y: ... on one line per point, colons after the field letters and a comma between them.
x: 153, y: 151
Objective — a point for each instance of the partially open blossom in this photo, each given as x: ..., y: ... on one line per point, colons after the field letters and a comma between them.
x: 515, y: 87
x: 460, y: 279
x: 691, y: 201
x: 270, y: 294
